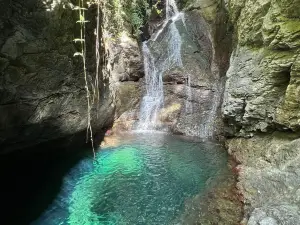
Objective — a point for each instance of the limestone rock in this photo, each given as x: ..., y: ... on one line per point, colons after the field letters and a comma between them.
x: 261, y: 96
x: 126, y: 72
x: 128, y: 95
x: 126, y: 59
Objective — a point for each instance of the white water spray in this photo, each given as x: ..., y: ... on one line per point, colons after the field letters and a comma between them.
x: 171, y: 9
x: 153, y: 100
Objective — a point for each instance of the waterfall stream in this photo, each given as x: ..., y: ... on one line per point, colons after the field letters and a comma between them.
x: 171, y: 9
x: 153, y: 99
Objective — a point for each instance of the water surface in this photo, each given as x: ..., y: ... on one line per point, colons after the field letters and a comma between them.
x: 143, y: 179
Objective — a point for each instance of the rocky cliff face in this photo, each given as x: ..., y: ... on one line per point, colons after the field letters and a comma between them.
x: 261, y: 108
x: 193, y: 91
x: 263, y: 77
x: 205, y: 53
x: 126, y: 71
x: 269, y: 177
x: 42, y: 95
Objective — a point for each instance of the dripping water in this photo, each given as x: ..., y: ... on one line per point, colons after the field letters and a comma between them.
x: 188, y: 103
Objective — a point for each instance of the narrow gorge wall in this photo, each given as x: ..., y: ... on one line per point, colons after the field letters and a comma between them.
x: 205, y: 53
x: 42, y: 89
x: 261, y: 108
x: 42, y: 95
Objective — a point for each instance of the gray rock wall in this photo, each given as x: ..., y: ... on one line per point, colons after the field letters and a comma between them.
x: 190, y: 108
x: 262, y: 81
x: 261, y: 108
x: 127, y: 71
x: 42, y: 95
x: 269, y: 177
x: 193, y: 93
x: 205, y: 55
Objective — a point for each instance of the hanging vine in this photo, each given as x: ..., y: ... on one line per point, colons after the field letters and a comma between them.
x: 82, y: 21
x: 110, y: 18
x: 97, y: 44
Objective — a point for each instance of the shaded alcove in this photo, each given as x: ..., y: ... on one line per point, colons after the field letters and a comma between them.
x: 39, y: 74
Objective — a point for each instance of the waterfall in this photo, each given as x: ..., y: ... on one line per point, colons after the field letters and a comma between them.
x: 174, y: 47
x: 171, y: 9
x: 163, y: 56
x: 153, y: 99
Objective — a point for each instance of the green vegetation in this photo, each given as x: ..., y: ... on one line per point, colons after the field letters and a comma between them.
x: 122, y: 13
x: 155, y: 7
x: 113, y: 18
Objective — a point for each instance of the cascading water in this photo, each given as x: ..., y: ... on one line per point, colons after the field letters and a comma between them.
x: 174, y: 47
x: 153, y: 100
x: 171, y: 9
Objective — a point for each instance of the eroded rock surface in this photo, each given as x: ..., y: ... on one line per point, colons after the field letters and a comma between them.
x: 269, y: 177
x: 196, y: 87
x: 42, y: 95
x: 193, y: 91
x: 126, y: 73
x: 262, y: 81
x: 261, y: 107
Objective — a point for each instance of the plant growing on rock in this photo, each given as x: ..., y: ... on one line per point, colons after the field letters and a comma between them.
x: 81, y: 12
x: 112, y: 19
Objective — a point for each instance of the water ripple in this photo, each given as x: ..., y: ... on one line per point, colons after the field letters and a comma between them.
x: 145, y: 180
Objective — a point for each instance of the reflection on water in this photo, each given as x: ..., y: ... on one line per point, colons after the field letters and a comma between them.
x: 145, y: 179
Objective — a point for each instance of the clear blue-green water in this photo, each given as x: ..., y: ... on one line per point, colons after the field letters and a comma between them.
x: 144, y: 179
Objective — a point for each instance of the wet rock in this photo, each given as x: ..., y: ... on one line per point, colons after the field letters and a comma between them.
x: 176, y: 76
x: 126, y: 68
x: 192, y: 92
x: 280, y: 214
x: 126, y: 60
x: 128, y: 96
